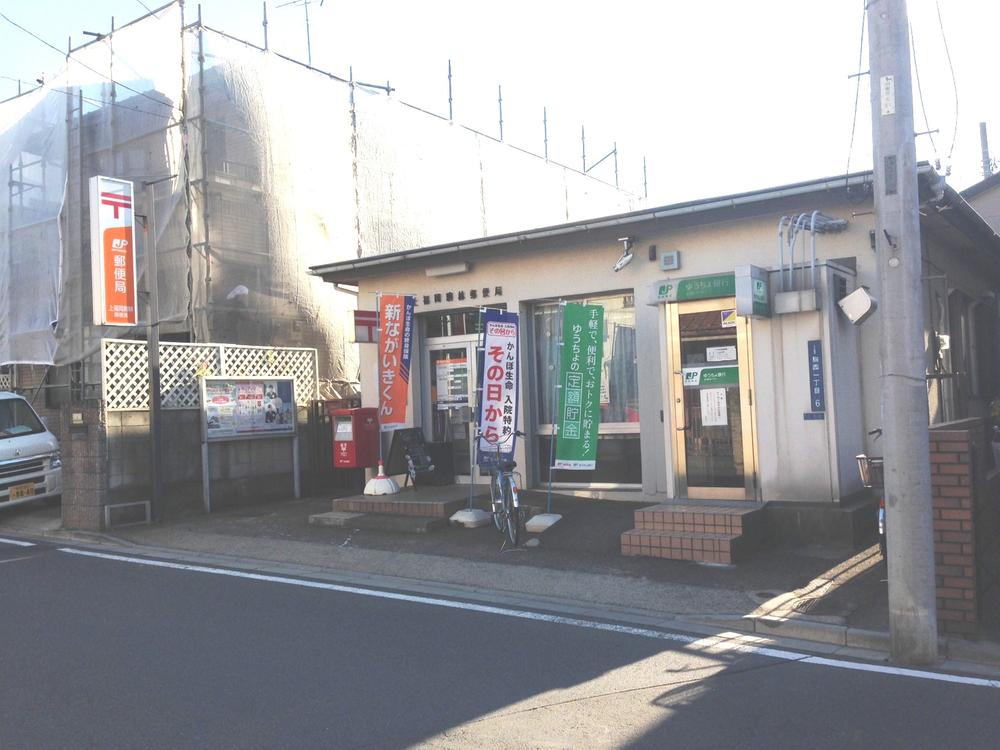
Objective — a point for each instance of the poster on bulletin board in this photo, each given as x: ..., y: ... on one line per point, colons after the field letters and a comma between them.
x: 234, y: 408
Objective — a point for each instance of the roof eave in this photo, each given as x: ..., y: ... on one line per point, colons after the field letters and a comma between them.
x: 352, y: 271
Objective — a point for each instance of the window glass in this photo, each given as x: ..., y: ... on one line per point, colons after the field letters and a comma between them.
x: 619, y: 384
x: 17, y: 418
x: 455, y: 322
x: 618, y: 462
x: 618, y: 455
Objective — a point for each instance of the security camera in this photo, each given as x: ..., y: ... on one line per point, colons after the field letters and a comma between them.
x: 623, y: 261
x: 626, y: 254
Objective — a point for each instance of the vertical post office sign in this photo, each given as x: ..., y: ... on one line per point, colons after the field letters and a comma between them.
x: 112, y: 251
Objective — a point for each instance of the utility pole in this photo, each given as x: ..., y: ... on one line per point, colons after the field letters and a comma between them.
x: 984, y: 142
x: 153, y: 349
x: 909, y: 524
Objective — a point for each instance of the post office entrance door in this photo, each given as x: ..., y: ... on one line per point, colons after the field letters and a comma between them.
x: 712, y: 392
x: 453, y: 397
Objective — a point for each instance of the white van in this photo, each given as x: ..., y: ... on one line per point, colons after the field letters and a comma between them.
x: 30, y: 463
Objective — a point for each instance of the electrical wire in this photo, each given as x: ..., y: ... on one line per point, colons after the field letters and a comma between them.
x: 857, y: 89
x: 954, y: 85
x: 151, y: 12
x: 94, y: 70
x: 920, y: 95
x: 88, y: 99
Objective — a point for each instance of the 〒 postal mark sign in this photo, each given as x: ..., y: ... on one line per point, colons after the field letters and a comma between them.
x: 112, y: 251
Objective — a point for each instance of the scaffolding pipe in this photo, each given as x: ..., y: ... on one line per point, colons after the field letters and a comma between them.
x: 545, y: 131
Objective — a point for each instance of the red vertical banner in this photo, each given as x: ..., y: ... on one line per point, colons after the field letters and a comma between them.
x: 395, y: 325
x: 112, y: 249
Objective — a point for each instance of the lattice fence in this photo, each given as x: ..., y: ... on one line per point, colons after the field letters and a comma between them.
x: 125, y: 369
x: 6, y: 381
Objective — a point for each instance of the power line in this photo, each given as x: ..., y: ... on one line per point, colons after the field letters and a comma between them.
x: 857, y: 88
x: 88, y: 99
x: 954, y: 83
x: 920, y: 94
x: 93, y: 70
x: 152, y: 13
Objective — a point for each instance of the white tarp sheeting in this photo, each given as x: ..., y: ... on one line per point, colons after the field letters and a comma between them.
x: 275, y: 168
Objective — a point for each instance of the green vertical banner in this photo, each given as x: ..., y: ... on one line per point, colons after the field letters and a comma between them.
x: 580, y: 369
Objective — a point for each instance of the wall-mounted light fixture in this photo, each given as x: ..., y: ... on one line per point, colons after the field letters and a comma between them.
x: 858, y: 306
x: 449, y: 270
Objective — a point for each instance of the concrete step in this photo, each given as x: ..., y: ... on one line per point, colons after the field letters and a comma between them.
x: 397, y: 522
x: 684, y: 545
x: 395, y: 505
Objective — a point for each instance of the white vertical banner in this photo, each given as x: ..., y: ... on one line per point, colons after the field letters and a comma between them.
x: 112, y: 252
x: 498, y: 405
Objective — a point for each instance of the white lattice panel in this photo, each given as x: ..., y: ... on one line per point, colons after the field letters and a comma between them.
x: 253, y: 361
x: 125, y: 370
x: 180, y: 367
x: 5, y: 381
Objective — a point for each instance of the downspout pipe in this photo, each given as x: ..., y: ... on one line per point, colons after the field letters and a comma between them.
x: 812, y: 266
x: 793, y: 238
x: 781, y: 248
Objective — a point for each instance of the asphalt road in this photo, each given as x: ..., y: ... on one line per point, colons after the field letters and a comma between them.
x: 107, y: 653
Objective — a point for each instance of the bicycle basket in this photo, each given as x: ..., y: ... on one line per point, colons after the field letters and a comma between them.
x: 871, y: 470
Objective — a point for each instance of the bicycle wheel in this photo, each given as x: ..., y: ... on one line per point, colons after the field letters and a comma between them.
x: 512, y: 514
x: 496, y: 500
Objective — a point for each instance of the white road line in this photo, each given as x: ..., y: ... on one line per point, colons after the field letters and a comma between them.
x: 16, y: 542
x: 773, y: 653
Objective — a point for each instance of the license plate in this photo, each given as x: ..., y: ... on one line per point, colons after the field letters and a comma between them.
x: 21, y: 491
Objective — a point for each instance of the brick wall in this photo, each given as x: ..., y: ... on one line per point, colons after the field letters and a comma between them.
x: 85, y: 466
x: 958, y: 465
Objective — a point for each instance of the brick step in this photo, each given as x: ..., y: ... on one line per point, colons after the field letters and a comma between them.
x: 701, y: 519
x: 684, y: 545
x: 389, y: 504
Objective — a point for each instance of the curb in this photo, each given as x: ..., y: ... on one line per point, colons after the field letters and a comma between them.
x: 985, y: 653
x: 871, y: 645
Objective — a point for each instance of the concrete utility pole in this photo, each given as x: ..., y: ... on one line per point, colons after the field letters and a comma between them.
x: 984, y: 142
x: 909, y: 523
x: 153, y: 350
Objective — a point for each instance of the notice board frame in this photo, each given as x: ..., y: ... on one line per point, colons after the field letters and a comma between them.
x: 291, y: 433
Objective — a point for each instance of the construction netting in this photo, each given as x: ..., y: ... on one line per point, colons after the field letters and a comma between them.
x: 253, y: 168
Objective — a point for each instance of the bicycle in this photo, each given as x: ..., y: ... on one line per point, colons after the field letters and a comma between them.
x: 503, y: 491
x: 872, y: 470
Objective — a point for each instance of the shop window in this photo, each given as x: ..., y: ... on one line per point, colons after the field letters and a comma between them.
x: 619, y: 461
x: 618, y: 456
x: 454, y: 322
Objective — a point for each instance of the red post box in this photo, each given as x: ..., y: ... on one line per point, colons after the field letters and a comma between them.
x: 355, y: 438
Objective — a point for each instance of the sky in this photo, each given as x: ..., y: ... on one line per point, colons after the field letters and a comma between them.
x: 717, y: 97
